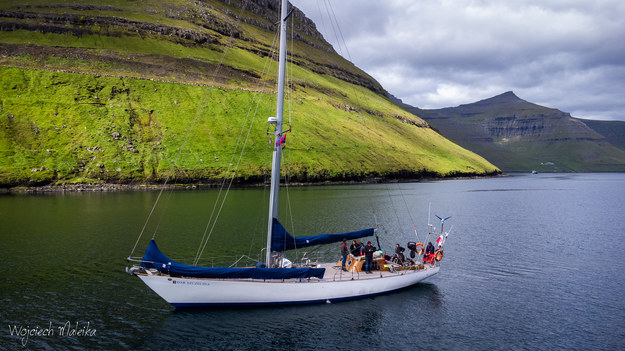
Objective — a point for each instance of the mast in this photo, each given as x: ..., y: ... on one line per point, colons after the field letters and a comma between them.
x: 277, y: 149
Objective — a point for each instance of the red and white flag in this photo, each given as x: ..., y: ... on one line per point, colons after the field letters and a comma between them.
x: 441, y: 240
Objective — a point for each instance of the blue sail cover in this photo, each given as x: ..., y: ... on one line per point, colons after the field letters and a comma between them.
x: 281, y: 240
x: 154, y: 258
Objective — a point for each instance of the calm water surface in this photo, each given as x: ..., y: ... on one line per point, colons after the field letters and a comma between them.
x: 532, y: 262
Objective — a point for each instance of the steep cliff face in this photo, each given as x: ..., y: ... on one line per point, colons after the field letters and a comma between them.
x: 518, y: 135
x: 304, y: 28
x: 195, y: 24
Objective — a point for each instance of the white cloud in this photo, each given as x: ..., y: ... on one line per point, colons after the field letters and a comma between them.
x: 566, y: 54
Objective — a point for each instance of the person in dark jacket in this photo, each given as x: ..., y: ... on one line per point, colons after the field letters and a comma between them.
x: 429, y: 250
x: 369, y: 250
x: 356, y: 248
x: 344, y: 252
x: 399, y: 251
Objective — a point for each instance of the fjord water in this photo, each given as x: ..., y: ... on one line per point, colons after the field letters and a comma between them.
x: 532, y: 262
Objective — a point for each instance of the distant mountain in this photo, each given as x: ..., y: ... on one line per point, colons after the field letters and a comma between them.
x: 517, y: 135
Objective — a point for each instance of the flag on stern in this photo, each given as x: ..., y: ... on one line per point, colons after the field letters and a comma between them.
x: 441, y: 240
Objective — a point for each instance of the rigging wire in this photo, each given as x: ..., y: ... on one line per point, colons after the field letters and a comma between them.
x: 234, y: 152
x: 213, y: 220
x: 186, y: 138
x: 212, y: 227
x: 395, y: 212
x: 195, y: 118
x: 261, y: 220
x: 287, y: 154
x: 323, y: 23
x: 409, y: 213
x: 332, y: 23
x: 333, y: 19
x: 338, y: 33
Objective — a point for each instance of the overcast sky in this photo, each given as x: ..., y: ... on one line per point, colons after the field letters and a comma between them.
x: 565, y: 54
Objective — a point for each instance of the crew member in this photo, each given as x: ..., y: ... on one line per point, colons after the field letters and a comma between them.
x: 344, y: 252
x: 429, y: 250
x: 399, y: 251
x: 356, y: 248
x: 369, y: 250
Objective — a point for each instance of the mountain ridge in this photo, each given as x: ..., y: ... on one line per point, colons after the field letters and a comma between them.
x: 517, y: 135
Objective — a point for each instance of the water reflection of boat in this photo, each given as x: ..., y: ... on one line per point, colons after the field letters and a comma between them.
x: 277, y: 280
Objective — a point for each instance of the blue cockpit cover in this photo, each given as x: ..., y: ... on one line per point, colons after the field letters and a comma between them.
x: 154, y: 258
x: 281, y: 240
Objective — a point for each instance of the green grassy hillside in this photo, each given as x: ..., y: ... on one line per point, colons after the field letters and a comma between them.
x: 108, y: 92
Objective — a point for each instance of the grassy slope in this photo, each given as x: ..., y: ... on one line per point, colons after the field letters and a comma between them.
x: 74, y: 127
x: 89, y: 126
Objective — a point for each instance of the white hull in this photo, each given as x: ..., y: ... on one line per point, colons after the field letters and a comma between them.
x: 194, y: 292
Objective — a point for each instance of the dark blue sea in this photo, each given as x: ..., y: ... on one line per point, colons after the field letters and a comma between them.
x: 532, y: 262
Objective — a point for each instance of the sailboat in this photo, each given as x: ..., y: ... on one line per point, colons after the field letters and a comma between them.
x: 276, y: 281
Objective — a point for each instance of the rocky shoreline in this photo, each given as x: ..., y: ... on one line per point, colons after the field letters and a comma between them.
x: 103, y: 187
x: 122, y: 187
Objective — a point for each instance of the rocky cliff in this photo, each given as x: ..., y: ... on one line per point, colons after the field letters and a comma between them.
x: 207, y: 24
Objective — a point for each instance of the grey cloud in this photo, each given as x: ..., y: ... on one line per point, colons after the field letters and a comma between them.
x: 565, y: 54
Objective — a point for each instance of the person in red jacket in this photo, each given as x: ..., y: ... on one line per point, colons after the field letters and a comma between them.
x: 428, y: 251
x: 344, y: 252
